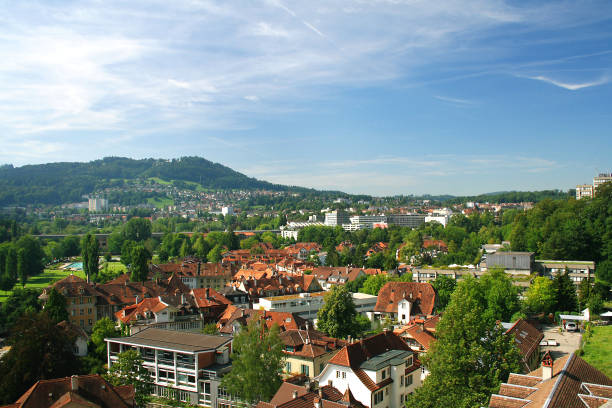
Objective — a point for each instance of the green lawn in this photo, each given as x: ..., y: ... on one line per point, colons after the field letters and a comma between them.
x: 598, y: 349
x: 115, y: 267
x: 43, y: 280
x: 160, y: 202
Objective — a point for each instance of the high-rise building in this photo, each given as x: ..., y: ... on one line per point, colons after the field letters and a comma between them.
x: 584, y: 190
x: 590, y: 191
x: 98, y: 204
x: 600, y: 179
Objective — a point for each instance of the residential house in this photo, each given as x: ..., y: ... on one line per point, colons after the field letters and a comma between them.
x: 191, y: 364
x: 380, y: 371
x: 577, y: 270
x: 196, y: 274
x: 527, y: 339
x: 568, y: 382
x: 78, y: 334
x: 75, y: 392
x: 81, y: 300
x: 307, y: 351
x: 295, y: 396
x: 377, y: 247
x: 401, y: 301
x: 328, y: 276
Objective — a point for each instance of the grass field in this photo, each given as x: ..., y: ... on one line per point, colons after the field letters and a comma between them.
x: 43, y: 280
x: 160, y: 202
x: 598, y: 349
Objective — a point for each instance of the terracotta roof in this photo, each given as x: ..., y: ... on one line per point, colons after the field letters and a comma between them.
x: 90, y: 388
x: 310, y: 343
x: 574, y: 383
x: 328, y: 397
x: 527, y: 339
x: 422, y: 296
x: 284, y: 320
x: 353, y: 355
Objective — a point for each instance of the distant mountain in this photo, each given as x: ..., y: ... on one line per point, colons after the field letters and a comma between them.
x: 57, y: 183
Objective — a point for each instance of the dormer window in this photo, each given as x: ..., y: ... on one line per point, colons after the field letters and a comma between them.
x: 409, y: 361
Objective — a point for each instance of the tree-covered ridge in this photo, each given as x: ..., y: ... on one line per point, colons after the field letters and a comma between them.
x: 57, y: 183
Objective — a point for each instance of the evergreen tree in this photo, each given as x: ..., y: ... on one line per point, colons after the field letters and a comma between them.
x: 257, y: 363
x: 22, y: 265
x: 566, y: 293
x: 140, y: 266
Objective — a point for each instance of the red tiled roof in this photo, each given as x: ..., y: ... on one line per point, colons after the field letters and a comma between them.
x: 527, y: 339
x: 353, y: 355
x: 91, y: 388
x: 422, y: 296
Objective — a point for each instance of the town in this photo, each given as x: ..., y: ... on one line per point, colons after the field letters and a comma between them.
x: 353, y: 304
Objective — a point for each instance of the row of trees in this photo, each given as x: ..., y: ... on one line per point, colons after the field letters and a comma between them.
x: 19, y: 260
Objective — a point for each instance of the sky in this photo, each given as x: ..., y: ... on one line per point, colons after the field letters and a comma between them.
x: 379, y: 97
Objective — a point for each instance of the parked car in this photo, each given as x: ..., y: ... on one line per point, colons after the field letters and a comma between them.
x: 571, y: 326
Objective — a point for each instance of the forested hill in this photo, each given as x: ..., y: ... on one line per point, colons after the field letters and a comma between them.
x: 57, y: 183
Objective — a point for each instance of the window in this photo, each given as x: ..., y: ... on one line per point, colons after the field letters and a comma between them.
x: 409, y: 361
x: 402, y: 398
x: 305, y: 370
x: 401, y: 380
x: 89, y: 310
x: 288, y: 367
x: 337, y: 374
x: 343, y: 374
x: 384, y: 374
x: 82, y: 312
x: 378, y: 397
x: 408, y: 380
x: 82, y: 323
x: 387, y: 391
x: 89, y: 322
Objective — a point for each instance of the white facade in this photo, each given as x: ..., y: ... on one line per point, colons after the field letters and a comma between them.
x: 406, y: 220
x: 442, y: 219
x: 391, y: 395
x: 229, y: 210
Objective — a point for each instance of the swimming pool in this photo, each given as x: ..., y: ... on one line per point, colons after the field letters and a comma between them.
x: 75, y: 265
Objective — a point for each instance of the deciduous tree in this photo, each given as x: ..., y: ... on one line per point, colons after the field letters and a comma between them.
x: 129, y: 370
x: 338, y: 317
x: 257, y: 363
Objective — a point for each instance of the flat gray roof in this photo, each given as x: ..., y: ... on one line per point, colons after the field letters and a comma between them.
x: 173, y: 340
x: 391, y: 357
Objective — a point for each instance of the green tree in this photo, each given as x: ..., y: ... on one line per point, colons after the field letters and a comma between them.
x: 129, y: 370
x: 56, y: 306
x: 22, y: 265
x: 103, y: 329
x: 471, y: 357
x: 138, y: 229
x: 566, y: 292
x: 257, y: 363
x: 210, y: 328
x: 201, y: 248
x: 126, y: 252
x: 140, y: 264
x: 500, y: 294
x: 541, y: 297
x: 11, y: 263
x: 338, y: 317
x: 214, y: 255
x: 39, y: 350
x: 604, y: 270
x: 374, y: 283
x: 444, y: 286
x: 90, y: 251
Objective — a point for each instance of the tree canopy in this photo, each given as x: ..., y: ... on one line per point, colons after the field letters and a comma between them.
x: 257, y: 363
x: 338, y: 317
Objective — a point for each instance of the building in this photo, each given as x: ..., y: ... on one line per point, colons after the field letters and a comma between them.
x: 584, y: 191
x: 565, y: 383
x: 306, y: 305
x: 336, y: 218
x: 190, y: 363
x: 402, y: 301
x: 577, y: 270
x: 431, y: 274
x: 76, y: 392
x: 196, y: 274
x: 514, y: 263
x: 308, y: 351
x: 81, y: 299
x: 590, y: 191
x: 406, y: 220
x: 234, y: 318
x: 367, y: 221
x: 294, y: 396
x: 98, y: 204
x: 527, y: 339
x: 442, y: 219
x: 379, y: 371
x: 229, y: 210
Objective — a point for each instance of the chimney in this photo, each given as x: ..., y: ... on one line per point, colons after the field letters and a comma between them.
x: 294, y: 394
x: 74, y: 383
x: 547, y: 366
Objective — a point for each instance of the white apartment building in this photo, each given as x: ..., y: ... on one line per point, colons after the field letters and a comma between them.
x: 380, y: 371
x: 368, y: 221
x: 600, y: 179
x: 590, y: 191
x: 307, y: 305
x: 191, y: 364
x: 229, y: 210
x: 442, y: 219
x: 584, y: 191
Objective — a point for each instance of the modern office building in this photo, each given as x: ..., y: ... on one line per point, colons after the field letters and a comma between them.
x: 337, y: 217
x: 406, y: 220
x: 190, y: 364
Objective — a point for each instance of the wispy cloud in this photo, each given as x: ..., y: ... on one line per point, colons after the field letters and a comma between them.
x: 455, y: 101
x: 569, y: 85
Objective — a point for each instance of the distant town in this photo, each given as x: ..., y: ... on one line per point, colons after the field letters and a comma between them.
x: 162, y: 293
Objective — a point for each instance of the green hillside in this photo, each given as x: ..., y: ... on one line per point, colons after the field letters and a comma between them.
x: 57, y: 183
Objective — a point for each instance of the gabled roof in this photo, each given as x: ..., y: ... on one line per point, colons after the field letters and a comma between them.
x: 421, y: 295
x: 355, y: 354
x: 574, y: 383
x: 295, y: 396
x: 527, y: 339
x: 233, y: 314
x: 92, y: 389
x: 310, y: 343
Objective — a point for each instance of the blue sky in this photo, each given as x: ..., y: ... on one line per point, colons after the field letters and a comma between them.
x: 368, y: 96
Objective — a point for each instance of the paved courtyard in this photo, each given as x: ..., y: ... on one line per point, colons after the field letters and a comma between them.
x: 568, y: 341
